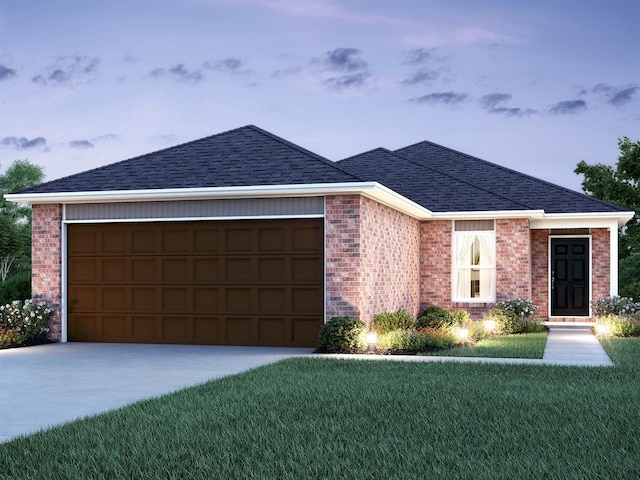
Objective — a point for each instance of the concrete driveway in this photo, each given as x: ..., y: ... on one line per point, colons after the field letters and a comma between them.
x: 51, y: 384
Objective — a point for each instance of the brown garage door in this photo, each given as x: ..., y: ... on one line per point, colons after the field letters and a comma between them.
x: 257, y: 282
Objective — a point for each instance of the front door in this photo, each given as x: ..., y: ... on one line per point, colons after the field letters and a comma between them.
x: 570, y: 277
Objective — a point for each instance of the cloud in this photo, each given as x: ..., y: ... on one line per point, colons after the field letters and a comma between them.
x: 286, y: 72
x: 344, y: 82
x: 106, y: 136
x: 443, y: 98
x: 6, y: 72
x: 22, y: 143
x: 81, y: 144
x: 179, y: 73
x: 342, y: 60
x: 71, y: 70
x: 616, y: 96
x: 418, y: 56
x: 422, y: 77
x: 568, y: 106
x: 228, y: 65
x: 494, y: 103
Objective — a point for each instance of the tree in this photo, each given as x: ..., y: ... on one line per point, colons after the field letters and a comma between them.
x: 618, y: 185
x: 15, y: 232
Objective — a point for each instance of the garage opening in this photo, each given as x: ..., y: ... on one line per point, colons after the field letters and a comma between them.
x: 240, y: 282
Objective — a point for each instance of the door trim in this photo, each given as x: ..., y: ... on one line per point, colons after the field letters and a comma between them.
x: 590, y: 259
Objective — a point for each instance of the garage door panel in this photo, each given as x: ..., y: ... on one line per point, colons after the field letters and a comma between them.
x: 306, y: 301
x: 206, y: 330
x: 175, y: 329
x: 83, y: 242
x: 272, y: 270
x: 307, y: 270
x: 144, y: 241
x: 84, y: 270
x: 307, y: 239
x: 144, y: 328
x: 238, y: 300
x: 206, y: 299
x: 206, y: 240
x: 273, y: 331
x: 239, y: 331
x: 305, y: 331
x: 207, y: 270
x: 239, y: 240
x: 114, y: 299
x: 114, y: 270
x: 176, y: 270
x: 82, y: 328
x: 272, y: 240
x: 175, y: 299
x: 273, y: 300
x: 114, y: 241
x: 144, y: 299
x: 144, y: 270
x: 84, y: 299
x: 175, y: 240
x: 239, y: 270
x: 228, y: 282
x: 115, y: 328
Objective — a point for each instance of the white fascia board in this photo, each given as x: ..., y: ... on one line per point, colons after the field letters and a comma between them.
x: 489, y: 215
x: 373, y: 190
x: 582, y: 220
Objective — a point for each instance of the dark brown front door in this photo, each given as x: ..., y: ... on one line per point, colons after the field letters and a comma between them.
x: 570, y: 277
x: 253, y: 282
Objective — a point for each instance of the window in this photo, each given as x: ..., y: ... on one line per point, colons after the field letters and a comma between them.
x: 474, y: 247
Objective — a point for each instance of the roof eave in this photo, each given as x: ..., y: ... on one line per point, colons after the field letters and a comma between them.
x: 583, y: 220
x: 372, y: 190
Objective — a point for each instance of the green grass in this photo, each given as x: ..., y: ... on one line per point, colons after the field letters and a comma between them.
x: 355, y: 419
x: 525, y: 345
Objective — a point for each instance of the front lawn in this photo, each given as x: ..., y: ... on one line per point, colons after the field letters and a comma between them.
x: 522, y: 345
x: 352, y: 419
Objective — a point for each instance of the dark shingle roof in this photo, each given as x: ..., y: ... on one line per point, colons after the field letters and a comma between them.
x: 427, y: 187
x: 242, y: 157
x: 532, y: 193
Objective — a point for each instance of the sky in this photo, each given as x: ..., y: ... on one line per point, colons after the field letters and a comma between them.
x: 535, y: 86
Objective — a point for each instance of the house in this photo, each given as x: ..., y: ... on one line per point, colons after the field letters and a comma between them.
x: 244, y: 238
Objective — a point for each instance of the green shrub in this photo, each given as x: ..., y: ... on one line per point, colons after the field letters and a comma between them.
x: 506, y: 322
x: 620, y: 325
x: 389, y: 321
x: 435, y: 317
x: 414, y: 340
x: 14, y: 288
x: 343, y: 334
x: 22, y: 322
x: 631, y: 291
x: 477, y: 330
x: 614, y: 306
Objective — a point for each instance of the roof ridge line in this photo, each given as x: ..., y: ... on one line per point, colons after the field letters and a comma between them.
x: 502, y: 167
x: 326, y: 161
x: 528, y: 207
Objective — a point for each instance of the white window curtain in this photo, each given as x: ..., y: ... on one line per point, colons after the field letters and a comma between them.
x: 463, y: 260
x: 487, y: 247
x: 474, y: 251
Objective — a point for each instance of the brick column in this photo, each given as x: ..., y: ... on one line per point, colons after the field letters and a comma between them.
x: 46, y: 261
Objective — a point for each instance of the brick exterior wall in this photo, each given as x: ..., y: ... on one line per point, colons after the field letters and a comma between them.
x: 372, y: 258
x: 513, y: 265
x: 540, y: 272
x: 600, y: 263
x: 46, y: 258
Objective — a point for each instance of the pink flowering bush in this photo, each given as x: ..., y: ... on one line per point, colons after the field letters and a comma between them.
x: 22, y: 322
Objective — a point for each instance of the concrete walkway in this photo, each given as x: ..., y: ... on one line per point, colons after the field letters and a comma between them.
x: 573, y: 346
x: 52, y: 384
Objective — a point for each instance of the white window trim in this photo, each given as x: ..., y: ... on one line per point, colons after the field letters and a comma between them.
x: 454, y: 267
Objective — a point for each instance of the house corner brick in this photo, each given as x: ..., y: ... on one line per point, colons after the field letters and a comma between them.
x: 46, y: 270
